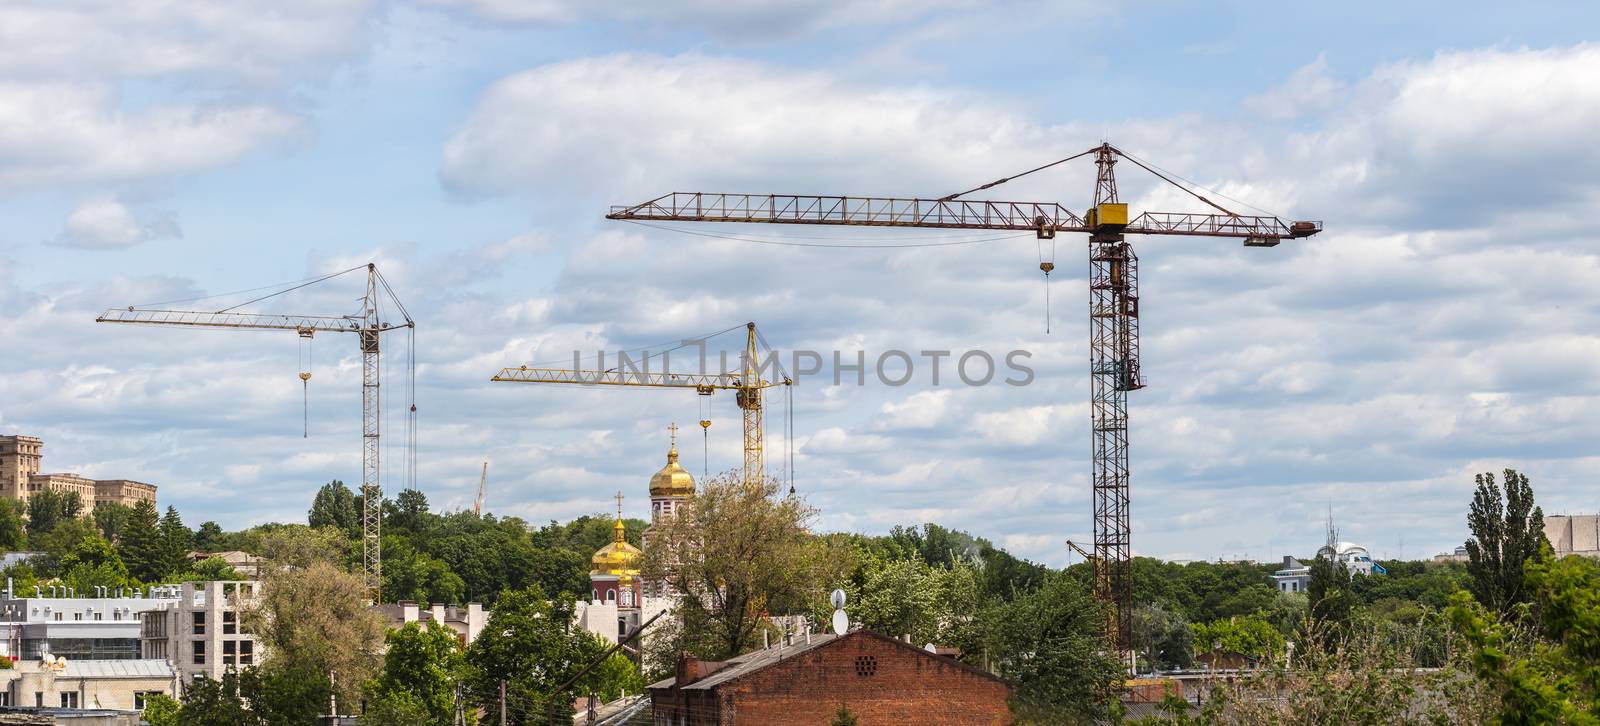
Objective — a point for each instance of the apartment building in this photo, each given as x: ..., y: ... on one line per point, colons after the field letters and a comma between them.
x: 21, y: 474
x: 199, y: 632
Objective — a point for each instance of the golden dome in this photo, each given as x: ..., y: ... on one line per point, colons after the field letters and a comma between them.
x: 618, y: 558
x: 673, y: 480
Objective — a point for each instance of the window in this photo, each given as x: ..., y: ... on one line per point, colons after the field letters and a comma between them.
x: 199, y: 623
x: 247, y: 652
x: 229, y: 648
x: 69, y: 699
x: 5, y: 698
x: 611, y: 595
x: 230, y: 623
x: 38, y: 699
x: 140, y: 698
x: 116, y: 615
x: 97, y: 616
x: 594, y: 595
x: 58, y: 616
x: 866, y: 665
x: 199, y: 652
x: 77, y: 616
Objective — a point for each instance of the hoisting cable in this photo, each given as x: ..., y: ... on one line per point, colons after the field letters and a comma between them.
x: 309, y: 283
x: 1192, y: 182
x: 305, y: 382
x: 1004, y: 179
x: 308, y: 280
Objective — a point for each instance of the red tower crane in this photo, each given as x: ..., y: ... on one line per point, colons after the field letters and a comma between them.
x: 1113, y: 300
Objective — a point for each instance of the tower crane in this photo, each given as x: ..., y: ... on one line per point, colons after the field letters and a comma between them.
x: 747, y: 386
x: 1113, y: 300
x: 477, y: 504
x: 368, y: 325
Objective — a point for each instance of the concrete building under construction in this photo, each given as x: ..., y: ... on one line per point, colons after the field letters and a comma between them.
x: 21, y: 474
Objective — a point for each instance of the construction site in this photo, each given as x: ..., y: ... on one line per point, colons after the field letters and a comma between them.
x: 840, y: 448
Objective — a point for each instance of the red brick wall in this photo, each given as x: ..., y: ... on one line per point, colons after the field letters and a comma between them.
x: 905, y: 687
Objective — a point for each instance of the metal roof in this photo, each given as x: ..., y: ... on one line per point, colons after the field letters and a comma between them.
x: 116, y: 669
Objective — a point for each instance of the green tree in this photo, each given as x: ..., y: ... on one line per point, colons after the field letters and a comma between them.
x: 176, y: 542
x: 93, y: 563
x: 208, y: 702
x: 12, y: 537
x: 48, y: 507
x: 1253, y: 638
x: 1161, y: 635
x: 140, y: 543
x: 284, y: 692
x: 531, y: 644
x: 844, y: 718
x: 1506, y: 534
x: 615, y: 676
x: 314, y: 617
x: 161, y: 710
x: 109, y: 518
x: 408, y: 513
x: 738, y: 551
x: 421, y: 672
x: 56, y: 544
x: 209, y: 537
x: 409, y: 575
x: 1050, y: 644
x: 335, y: 506
x: 931, y: 603
x: 1328, y: 596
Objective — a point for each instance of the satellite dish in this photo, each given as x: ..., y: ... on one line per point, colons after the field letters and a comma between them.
x: 841, y: 623
x: 838, y: 599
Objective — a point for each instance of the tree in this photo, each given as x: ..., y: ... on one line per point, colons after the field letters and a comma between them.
x: 407, y: 513
x: 60, y: 541
x: 109, y: 518
x: 161, y: 710
x: 1162, y: 636
x: 93, y: 563
x: 296, y: 545
x: 844, y: 717
x: 1555, y: 679
x: 48, y: 507
x: 208, y: 702
x: 1253, y: 638
x: 736, y: 553
x: 176, y: 542
x: 530, y: 644
x: 315, y: 618
x: 209, y: 537
x: 210, y: 569
x: 12, y: 538
x: 1050, y: 644
x: 408, y: 575
x: 421, y: 672
x: 335, y: 506
x: 286, y: 692
x: 931, y: 603
x: 1506, y: 534
x: 141, y: 542
x: 1328, y: 596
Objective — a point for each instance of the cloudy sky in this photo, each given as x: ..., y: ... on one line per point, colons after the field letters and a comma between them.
x: 1443, y: 325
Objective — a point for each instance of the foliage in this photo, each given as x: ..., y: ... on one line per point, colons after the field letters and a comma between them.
x: 617, y: 676
x: 93, y: 563
x: 1049, y: 643
x: 209, y: 537
x: 161, y: 710
x: 12, y: 536
x: 931, y: 603
x: 283, y: 692
x: 335, y: 506
x: 299, y: 546
x: 531, y: 644
x: 48, y: 508
x: 1553, y: 679
x: 175, y: 541
x: 109, y: 519
x: 410, y: 575
x: 208, y: 702
x: 315, y: 617
x: 140, y: 543
x: 1161, y: 635
x: 1505, y: 535
x: 844, y: 717
x: 421, y: 671
x: 1329, y: 597
x: 1253, y: 638
x: 737, y: 553
x: 57, y: 543
x: 210, y: 569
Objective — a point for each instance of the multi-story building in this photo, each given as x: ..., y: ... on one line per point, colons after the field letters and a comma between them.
x: 466, y: 622
x: 106, y: 627
x: 200, y: 632
x: 21, y: 458
x: 121, y: 685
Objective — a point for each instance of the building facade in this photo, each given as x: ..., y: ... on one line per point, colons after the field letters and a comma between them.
x: 121, y: 685
x: 879, y: 679
x: 466, y: 622
x: 21, y: 474
x: 1573, y: 534
x: 76, y: 628
x: 200, y: 633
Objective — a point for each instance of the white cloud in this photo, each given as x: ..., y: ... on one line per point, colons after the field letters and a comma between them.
x: 740, y: 21
x: 109, y: 224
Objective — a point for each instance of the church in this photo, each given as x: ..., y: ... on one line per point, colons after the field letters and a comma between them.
x: 618, y: 599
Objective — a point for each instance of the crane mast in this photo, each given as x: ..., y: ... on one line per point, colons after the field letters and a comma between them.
x: 369, y: 327
x: 747, y: 386
x: 1113, y: 302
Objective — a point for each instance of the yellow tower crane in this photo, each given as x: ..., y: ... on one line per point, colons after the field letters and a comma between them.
x: 747, y: 386
x: 368, y: 324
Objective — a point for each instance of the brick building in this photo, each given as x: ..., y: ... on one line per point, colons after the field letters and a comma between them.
x: 879, y: 679
x: 21, y: 458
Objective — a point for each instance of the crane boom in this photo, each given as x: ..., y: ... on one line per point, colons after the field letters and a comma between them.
x: 248, y: 321
x: 1044, y: 217
x: 747, y: 385
x: 1113, y: 301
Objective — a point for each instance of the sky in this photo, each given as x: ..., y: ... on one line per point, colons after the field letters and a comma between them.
x: 1442, y: 325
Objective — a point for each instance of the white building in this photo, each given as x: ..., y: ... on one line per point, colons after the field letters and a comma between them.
x: 77, y: 628
x: 1354, y: 557
x: 465, y: 622
x: 200, y: 633
x: 86, y: 684
x: 1293, y: 577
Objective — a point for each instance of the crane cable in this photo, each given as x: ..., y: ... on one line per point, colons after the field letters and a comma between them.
x: 1005, y: 179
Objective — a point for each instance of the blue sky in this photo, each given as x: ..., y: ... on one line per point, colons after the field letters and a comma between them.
x: 1440, y: 327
